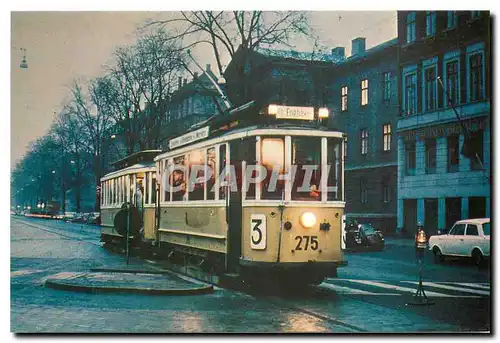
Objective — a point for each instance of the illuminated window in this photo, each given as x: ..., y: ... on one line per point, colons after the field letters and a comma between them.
x: 196, y: 165
x: 387, y: 137
x: 178, y: 179
x: 344, y: 98
x: 273, y: 158
x: 364, y: 92
x: 212, y: 168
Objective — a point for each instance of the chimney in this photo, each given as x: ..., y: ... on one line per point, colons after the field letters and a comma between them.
x: 179, y: 82
x: 195, y: 75
x: 358, y: 46
x: 338, y: 53
x: 185, y: 82
x: 207, y: 68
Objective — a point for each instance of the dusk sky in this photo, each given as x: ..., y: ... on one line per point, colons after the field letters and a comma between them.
x: 62, y: 46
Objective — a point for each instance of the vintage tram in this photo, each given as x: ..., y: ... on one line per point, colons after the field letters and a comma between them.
x: 256, y: 192
x: 133, y: 182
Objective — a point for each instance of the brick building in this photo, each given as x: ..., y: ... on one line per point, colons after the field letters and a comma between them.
x: 437, y: 185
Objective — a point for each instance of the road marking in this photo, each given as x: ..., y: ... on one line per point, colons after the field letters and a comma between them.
x: 451, y: 288
x: 348, y: 290
x: 406, y: 289
x: 24, y: 272
x: 475, y: 285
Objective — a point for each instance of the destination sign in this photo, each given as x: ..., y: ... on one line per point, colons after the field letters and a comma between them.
x: 189, y: 138
x: 294, y: 112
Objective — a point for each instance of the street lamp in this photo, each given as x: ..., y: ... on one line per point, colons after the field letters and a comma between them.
x: 53, y: 172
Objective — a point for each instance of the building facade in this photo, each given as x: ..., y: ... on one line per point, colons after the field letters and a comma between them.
x: 445, y: 97
x: 363, y: 102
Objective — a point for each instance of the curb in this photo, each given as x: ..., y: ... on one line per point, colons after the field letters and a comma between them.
x: 67, y: 286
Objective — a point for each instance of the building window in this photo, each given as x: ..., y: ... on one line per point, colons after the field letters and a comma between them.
x: 452, y: 90
x: 363, y: 190
x: 387, y: 137
x: 451, y: 19
x: 477, y: 144
x: 430, y: 88
x: 453, y: 154
x: 387, y: 85
x: 343, y: 100
x: 476, y: 77
x: 411, y: 29
x: 475, y: 14
x: 410, y: 158
x: 364, y: 92
x: 364, y: 142
x: 411, y: 94
x: 386, y: 194
x: 430, y: 23
x: 430, y: 156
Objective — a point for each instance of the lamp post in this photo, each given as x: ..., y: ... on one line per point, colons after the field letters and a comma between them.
x: 420, y: 298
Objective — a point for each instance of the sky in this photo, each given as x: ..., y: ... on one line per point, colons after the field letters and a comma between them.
x: 64, y: 46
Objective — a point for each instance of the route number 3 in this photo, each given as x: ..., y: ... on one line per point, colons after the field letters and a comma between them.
x: 258, y: 232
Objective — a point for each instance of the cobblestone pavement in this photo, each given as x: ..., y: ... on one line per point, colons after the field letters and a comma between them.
x: 370, y: 294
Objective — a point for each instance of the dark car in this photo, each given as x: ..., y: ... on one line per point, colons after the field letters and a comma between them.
x: 364, y: 236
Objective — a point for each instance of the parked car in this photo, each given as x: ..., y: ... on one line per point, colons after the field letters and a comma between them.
x: 467, y: 238
x: 364, y: 236
x: 94, y: 218
x: 79, y: 218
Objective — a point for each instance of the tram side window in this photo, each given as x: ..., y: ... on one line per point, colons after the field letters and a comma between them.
x: 196, y: 174
x: 153, y: 188
x: 222, y: 164
x: 146, y: 188
x: 273, y: 159
x: 248, y: 154
x: 113, y: 183
x: 212, y: 172
x: 179, y: 179
x: 334, y: 162
x: 306, y: 156
x: 167, y: 179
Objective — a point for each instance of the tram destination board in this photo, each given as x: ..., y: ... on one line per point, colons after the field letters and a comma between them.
x: 189, y: 137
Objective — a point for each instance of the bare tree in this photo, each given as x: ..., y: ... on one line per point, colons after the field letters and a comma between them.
x: 238, y: 31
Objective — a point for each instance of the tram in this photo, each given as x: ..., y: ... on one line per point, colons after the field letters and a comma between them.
x: 257, y: 192
x: 133, y: 182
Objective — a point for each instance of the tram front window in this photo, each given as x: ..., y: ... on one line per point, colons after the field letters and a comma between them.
x: 306, y: 157
x: 273, y: 158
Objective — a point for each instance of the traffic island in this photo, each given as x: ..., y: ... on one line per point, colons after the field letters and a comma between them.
x: 127, y: 281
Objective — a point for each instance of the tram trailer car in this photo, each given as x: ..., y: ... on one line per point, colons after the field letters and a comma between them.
x: 133, y: 182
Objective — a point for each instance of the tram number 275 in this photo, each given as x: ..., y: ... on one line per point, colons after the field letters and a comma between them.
x: 306, y: 242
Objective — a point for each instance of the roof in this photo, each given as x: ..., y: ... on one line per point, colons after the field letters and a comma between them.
x: 299, y: 55
x: 129, y: 170
x: 474, y: 221
x: 324, y: 57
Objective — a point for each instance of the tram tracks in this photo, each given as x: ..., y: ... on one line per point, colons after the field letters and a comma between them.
x: 224, y: 281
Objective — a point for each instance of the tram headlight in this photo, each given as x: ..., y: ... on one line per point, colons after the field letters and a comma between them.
x: 272, y: 109
x: 308, y: 219
x: 323, y: 112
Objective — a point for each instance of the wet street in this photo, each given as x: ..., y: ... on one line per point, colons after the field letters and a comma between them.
x: 369, y: 295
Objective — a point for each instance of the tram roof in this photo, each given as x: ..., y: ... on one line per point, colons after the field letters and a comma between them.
x: 256, y: 130
x: 138, y: 167
x: 143, y: 156
x: 237, y: 121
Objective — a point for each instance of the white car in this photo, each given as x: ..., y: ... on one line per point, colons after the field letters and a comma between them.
x: 467, y: 238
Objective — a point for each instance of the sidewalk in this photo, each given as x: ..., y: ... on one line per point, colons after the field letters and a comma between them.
x: 400, y: 241
x: 113, y: 280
